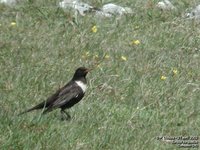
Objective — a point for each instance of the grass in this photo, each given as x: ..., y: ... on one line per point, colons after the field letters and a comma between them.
x: 127, y: 105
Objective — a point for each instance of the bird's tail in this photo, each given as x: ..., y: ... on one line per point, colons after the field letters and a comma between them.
x: 25, y: 111
x: 39, y: 106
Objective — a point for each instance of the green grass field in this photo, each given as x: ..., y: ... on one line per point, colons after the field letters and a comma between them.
x: 136, y: 92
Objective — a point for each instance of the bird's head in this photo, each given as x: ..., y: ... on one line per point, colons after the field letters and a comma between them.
x: 81, y: 72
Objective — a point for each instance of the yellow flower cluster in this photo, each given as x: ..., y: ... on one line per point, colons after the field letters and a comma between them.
x: 163, y: 77
x: 123, y: 58
x: 135, y: 42
x: 94, y: 29
x: 13, y: 24
x: 174, y: 71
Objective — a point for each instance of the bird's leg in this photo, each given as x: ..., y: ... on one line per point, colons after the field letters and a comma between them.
x: 65, y: 115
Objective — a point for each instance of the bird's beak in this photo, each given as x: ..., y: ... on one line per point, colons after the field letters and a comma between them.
x: 88, y: 70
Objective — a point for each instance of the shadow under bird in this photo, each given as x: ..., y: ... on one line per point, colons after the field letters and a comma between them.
x: 66, y: 96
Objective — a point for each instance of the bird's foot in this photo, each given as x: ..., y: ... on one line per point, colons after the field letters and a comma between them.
x: 65, y: 116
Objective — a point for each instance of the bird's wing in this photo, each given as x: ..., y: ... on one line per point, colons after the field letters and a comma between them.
x: 50, y: 100
x: 67, y: 94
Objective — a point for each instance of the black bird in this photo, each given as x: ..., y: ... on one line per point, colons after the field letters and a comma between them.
x: 66, y: 96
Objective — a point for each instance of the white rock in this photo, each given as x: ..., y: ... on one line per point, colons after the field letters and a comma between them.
x: 195, y: 13
x: 107, y: 11
x: 165, y: 5
x: 116, y: 9
x: 102, y: 14
x: 76, y: 5
x: 110, y: 10
x: 9, y: 2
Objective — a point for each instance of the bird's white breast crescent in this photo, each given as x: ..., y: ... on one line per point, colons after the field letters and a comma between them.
x: 82, y: 85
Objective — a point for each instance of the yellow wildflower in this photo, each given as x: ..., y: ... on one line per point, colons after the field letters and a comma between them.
x: 175, y: 71
x: 137, y: 27
x: 124, y: 58
x: 94, y: 29
x: 163, y: 77
x: 13, y: 23
x: 135, y: 42
x: 96, y: 56
x: 107, y: 56
x: 87, y: 53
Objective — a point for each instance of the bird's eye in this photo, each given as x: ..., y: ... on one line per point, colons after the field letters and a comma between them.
x: 193, y: 13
